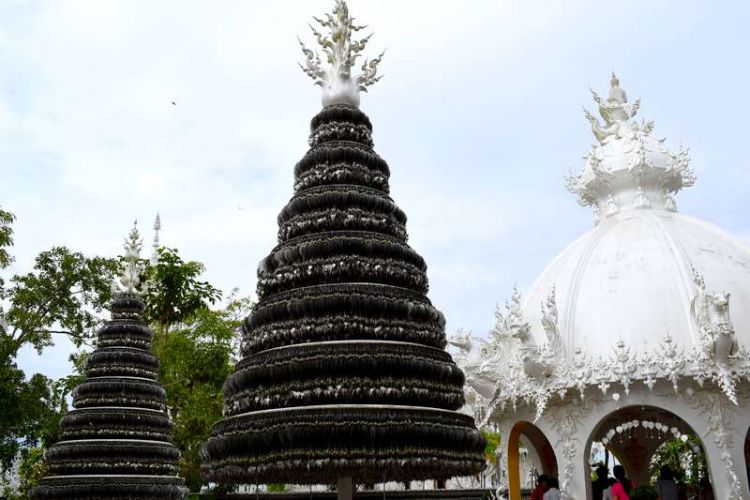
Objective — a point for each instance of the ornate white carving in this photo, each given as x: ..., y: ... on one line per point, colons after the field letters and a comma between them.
x: 580, y: 374
x: 627, y: 164
x: 130, y: 279
x: 718, y: 416
x: 565, y: 421
x: 641, y: 200
x: 470, y: 356
x: 155, y: 245
x: 671, y: 360
x: 710, y: 313
x: 612, y: 206
x: 549, y: 323
x: 537, y: 360
x: 341, y: 53
x: 510, y: 368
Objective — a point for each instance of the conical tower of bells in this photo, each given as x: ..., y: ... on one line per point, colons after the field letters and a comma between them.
x: 343, y: 372
x: 116, y: 443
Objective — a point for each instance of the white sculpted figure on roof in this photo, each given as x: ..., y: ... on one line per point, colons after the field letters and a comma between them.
x: 334, y: 75
x: 538, y: 361
x: 627, y: 162
x: 549, y: 323
x: 471, y: 356
x: 615, y: 111
x: 710, y: 311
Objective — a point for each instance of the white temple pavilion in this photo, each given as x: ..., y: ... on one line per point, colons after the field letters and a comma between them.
x: 638, y: 332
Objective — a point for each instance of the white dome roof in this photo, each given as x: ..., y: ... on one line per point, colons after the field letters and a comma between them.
x: 631, y: 278
x: 648, y: 297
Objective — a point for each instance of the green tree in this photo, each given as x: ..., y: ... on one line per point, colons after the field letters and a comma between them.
x: 195, y: 360
x: 6, y: 238
x: 64, y: 294
x: 490, y: 450
x: 194, y: 345
x: 687, y: 464
x: 175, y: 293
x: 30, y: 470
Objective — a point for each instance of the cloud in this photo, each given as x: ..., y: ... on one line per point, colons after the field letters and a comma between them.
x: 478, y: 115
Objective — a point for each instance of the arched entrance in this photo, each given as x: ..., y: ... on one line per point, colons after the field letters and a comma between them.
x: 531, y: 437
x: 633, y: 435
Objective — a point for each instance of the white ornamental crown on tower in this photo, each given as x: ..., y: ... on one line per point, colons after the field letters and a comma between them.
x: 130, y: 280
x: 341, y: 53
x: 628, y: 167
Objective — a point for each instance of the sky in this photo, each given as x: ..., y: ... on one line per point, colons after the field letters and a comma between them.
x: 478, y: 115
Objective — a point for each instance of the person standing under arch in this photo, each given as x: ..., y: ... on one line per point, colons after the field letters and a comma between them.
x: 665, y: 486
x: 621, y: 489
x: 541, y: 488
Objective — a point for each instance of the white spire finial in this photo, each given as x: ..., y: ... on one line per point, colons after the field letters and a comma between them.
x: 628, y: 167
x: 130, y: 279
x: 155, y: 252
x: 341, y: 52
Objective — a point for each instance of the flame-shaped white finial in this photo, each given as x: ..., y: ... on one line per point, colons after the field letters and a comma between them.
x: 130, y: 279
x: 341, y: 53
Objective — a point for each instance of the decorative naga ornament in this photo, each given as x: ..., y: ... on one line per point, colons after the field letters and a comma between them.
x: 340, y: 55
x: 116, y: 443
x: 343, y: 372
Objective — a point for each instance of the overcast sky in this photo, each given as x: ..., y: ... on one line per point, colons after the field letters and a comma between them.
x: 479, y: 116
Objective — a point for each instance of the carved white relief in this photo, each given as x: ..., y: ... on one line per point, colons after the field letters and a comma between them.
x: 718, y: 416
x: 623, y: 365
x: 710, y: 312
x: 612, y: 206
x: 549, y: 324
x: 641, y: 200
x: 509, y: 368
x: 672, y: 360
x: 565, y: 421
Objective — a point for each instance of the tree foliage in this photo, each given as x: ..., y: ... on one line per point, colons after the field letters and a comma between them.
x: 6, y: 238
x: 31, y: 468
x: 24, y: 410
x: 687, y: 465
x: 175, y: 293
x: 490, y: 449
x: 195, y: 360
x: 63, y: 294
x: 194, y: 345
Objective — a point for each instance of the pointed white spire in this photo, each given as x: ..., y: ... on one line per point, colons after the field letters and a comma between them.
x: 340, y: 54
x: 155, y: 252
x: 130, y: 279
